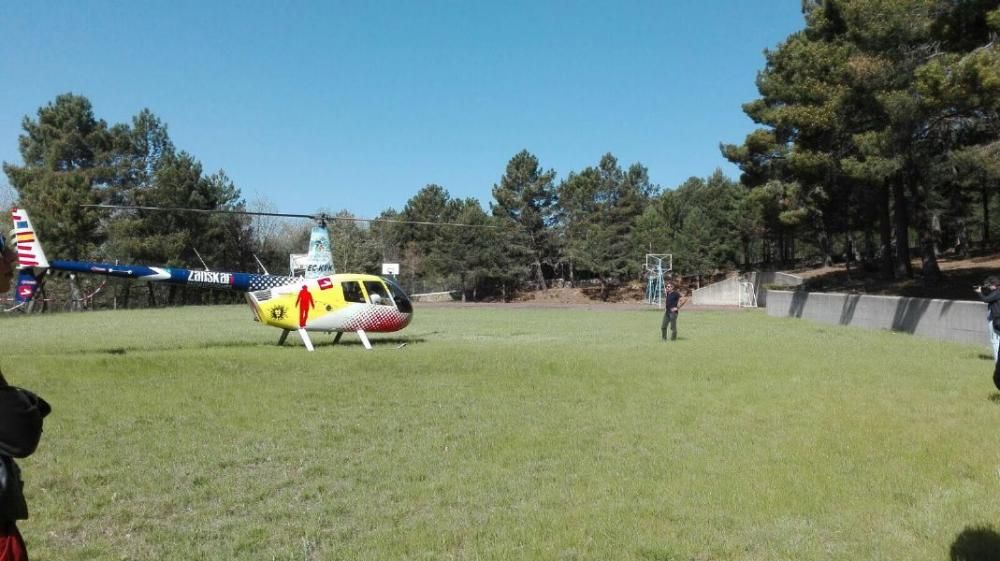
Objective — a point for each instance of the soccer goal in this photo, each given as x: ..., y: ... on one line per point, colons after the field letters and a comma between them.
x: 657, y: 264
x: 748, y: 290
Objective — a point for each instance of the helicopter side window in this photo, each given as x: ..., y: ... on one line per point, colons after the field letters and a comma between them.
x: 377, y: 293
x: 352, y: 292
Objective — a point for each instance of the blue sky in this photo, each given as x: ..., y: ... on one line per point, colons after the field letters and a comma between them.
x: 358, y: 105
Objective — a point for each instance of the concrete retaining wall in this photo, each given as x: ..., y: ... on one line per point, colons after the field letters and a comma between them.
x: 948, y: 320
x: 434, y: 297
x: 772, y: 278
x: 722, y: 293
x: 727, y: 292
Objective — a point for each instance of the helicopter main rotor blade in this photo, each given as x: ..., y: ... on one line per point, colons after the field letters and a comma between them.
x: 317, y: 217
x: 203, y: 211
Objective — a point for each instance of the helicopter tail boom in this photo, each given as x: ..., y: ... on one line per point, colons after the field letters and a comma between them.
x: 33, y: 264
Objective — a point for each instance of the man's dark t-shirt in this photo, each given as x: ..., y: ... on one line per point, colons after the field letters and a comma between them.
x: 673, y: 299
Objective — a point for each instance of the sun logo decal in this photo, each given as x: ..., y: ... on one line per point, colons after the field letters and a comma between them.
x: 278, y: 313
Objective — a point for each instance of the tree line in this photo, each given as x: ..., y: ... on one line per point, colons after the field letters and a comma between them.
x: 535, y: 230
x: 878, y: 136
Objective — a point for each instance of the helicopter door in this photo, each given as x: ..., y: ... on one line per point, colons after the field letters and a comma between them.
x: 377, y: 293
x: 352, y: 292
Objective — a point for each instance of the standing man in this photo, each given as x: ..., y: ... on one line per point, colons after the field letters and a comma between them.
x: 674, y: 301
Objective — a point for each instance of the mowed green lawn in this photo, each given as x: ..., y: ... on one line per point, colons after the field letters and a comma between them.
x: 504, y: 433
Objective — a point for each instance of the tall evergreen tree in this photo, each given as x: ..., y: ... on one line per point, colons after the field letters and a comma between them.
x: 355, y: 249
x: 425, y: 252
x: 600, y: 208
x: 524, y: 201
x: 470, y: 248
x: 66, y: 153
x: 702, y: 223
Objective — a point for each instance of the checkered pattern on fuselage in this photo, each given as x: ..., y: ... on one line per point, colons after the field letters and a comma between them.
x: 267, y: 282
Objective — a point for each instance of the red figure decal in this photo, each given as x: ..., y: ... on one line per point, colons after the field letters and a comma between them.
x: 304, y: 301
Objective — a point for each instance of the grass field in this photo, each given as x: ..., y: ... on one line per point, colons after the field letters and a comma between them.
x: 501, y: 433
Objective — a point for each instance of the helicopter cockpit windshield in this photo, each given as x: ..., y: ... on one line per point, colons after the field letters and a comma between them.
x: 403, y: 303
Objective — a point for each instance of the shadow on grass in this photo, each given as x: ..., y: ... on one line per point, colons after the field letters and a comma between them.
x: 995, y: 398
x: 384, y: 342
x: 648, y: 554
x: 136, y: 349
x: 376, y: 343
x: 976, y: 543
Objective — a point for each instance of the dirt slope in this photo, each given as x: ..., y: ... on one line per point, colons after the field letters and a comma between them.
x: 959, y: 276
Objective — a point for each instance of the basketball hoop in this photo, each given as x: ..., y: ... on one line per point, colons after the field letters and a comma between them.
x: 656, y: 265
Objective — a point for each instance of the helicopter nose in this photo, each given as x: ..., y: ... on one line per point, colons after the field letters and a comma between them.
x: 403, y: 304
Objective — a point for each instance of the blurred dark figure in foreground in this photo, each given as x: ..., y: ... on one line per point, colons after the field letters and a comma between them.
x: 7, y: 263
x: 21, y: 414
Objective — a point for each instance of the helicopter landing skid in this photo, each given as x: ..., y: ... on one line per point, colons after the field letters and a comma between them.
x: 361, y: 335
x: 302, y: 333
x: 308, y: 342
x: 364, y: 339
x: 305, y: 339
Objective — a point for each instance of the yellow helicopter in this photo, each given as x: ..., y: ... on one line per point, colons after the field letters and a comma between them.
x: 319, y: 301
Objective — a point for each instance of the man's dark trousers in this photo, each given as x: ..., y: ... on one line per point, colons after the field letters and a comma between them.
x: 669, y: 320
